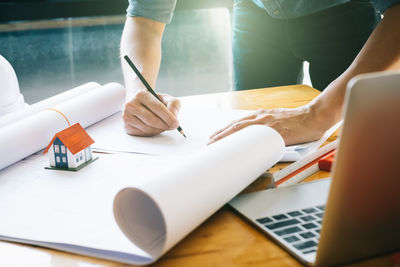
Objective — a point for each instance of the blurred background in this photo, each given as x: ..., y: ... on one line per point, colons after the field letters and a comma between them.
x: 55, y: 45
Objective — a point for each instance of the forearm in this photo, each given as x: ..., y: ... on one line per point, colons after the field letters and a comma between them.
x: 144, y: 114
x: 141, y: 41
x: 381, y: 52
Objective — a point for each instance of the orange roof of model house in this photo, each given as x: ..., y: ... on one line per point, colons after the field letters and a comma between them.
x: 75, y: 138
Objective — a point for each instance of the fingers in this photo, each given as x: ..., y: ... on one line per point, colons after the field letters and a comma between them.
x: 251, y: 117
x: 136, y: 127
x: 295, y: 125
x: 145, y: 115
x: 172, y: 103
x: 234, y: 127
x: 261, y: 116
x: 160, y: 110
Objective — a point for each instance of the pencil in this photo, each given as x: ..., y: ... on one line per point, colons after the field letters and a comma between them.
x: 148, y: 86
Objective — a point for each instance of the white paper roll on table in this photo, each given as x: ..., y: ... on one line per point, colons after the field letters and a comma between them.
x: 47, y: 103
x: 162, y: 210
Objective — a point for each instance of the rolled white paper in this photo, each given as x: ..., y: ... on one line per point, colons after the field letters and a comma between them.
x: 161, y: 210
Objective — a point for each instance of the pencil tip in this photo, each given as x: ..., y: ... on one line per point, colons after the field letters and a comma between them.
x: 182, y: 133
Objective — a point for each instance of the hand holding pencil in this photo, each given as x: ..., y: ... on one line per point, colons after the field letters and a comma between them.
x: 148, y: 113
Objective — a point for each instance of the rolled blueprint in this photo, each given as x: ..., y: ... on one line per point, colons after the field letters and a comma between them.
x: 27, y: 136
x: 47, y: 103
x: 158, y: 212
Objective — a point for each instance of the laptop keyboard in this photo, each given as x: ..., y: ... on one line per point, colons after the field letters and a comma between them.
x: 299, y: 228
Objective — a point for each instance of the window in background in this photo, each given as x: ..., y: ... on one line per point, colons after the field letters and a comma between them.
x: 52, y: 56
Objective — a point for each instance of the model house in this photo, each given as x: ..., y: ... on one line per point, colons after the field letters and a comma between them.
x: 70, y: 148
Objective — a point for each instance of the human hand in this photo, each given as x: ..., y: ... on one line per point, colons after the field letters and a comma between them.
x: 145, y: 115
x: 295, y: 125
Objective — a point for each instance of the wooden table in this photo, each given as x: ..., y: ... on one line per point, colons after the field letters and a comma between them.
x: 225, y: 239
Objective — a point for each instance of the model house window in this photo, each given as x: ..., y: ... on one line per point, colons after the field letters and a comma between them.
x: 77, y: 159
x: 64, y: 159
x: 58, y: 159
x: 63, y: 149
x: 56, y: 149
x: 80, y: 155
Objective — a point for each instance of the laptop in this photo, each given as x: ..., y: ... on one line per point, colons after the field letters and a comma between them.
x: 356, y: 213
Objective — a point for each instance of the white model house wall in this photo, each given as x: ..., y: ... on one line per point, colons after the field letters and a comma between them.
x: 72, y: 159
x: 52, y: 160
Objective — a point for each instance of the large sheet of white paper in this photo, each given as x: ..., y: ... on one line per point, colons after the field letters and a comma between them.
x: 197, y: 123
x: 73, y: 211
